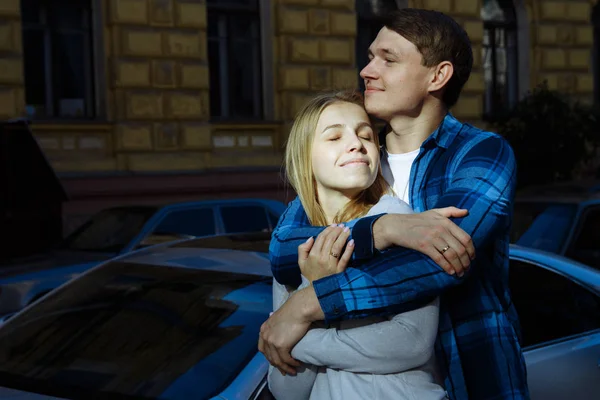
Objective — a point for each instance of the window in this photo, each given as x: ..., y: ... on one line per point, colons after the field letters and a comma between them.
x: 58, y: 58
x: 499, y: 57
x: 542, y: 225
x: 549, y: 305
x: 234, y: 56
x: 245, y: 219
x: 199, y: 222
x: 586, y: 245
x: 367, y: 28
x: 110, y: 230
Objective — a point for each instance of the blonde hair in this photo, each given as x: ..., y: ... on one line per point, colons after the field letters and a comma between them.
x: 298, y: 162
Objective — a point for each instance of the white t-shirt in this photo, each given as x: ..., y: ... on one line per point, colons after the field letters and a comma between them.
x: 396, y: 171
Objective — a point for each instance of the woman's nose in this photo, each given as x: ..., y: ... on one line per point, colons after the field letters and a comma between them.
x: 355, y: 144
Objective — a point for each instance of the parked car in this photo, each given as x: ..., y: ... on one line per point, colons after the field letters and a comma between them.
x: 560, y: 218
x: 181, y: 321
x: 118, y: 230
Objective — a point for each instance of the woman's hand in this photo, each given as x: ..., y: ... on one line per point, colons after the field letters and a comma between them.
x: 327, y: 255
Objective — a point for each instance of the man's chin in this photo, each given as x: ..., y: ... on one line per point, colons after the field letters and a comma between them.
x: 374, y: 111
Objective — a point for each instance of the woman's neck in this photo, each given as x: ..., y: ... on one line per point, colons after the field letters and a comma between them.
x: 332, y: 202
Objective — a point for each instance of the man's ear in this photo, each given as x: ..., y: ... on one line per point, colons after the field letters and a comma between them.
x: 441, y: 76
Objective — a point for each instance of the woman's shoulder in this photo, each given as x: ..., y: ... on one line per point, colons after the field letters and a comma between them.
x: 389, y: 204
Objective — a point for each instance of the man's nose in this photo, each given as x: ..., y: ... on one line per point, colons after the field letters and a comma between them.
x: 368, y: 72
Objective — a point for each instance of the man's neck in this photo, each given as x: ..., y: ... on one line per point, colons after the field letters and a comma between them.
x: 408, y: 133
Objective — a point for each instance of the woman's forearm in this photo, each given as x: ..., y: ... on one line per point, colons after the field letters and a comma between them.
x: 404, y: 342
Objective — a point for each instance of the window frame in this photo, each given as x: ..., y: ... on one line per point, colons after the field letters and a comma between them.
x: 95, y: 96
x: 265, y: 100
x: 492, y: 107
x: 580, y: 284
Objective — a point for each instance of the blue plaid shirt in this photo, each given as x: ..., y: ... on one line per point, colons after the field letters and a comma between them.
x: 477, y: 347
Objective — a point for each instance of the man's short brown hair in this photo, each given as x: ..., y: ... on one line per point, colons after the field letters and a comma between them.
x: 438, y: 38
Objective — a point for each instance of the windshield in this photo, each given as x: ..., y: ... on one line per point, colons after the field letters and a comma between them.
x: 542, y: 225
x: 110, y: 230
x: 149, y: 332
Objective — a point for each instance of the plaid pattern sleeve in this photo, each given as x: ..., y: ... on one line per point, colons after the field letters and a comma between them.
x: 478, y: 344
x: 292, y: 230
x: 483, y: 183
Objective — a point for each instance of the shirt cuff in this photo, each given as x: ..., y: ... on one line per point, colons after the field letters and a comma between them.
x: 330, y: 298
x: 362, y: 233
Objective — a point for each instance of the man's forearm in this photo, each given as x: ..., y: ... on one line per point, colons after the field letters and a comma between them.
x: 306, y: 305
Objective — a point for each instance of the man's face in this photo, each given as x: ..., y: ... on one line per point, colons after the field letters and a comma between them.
x: 396, y: 82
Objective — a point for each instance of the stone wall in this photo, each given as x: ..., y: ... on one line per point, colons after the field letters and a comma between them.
x: 12, y: 95
x: 315, y: 40
x: 562, y: 40
x: 155, y: 64
x: 158, y: 83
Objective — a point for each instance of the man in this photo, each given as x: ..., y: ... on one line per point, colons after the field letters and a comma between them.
x: 419, y: 63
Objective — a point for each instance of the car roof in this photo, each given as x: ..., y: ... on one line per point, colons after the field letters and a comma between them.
x: 248, y: 253
x: 241, y: 253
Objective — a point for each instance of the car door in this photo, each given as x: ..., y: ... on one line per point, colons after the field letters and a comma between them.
x: 560, y: 325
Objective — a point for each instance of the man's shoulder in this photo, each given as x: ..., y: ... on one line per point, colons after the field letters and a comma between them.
x: 471, y: 136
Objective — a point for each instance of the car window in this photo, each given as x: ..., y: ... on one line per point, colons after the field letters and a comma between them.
x: 109, y: 230
x: 194, y: 222
x: 133, y: 330
x: 543, y: 226
x: 586, y: 245
x: 237, y: 219
x: 550, y: 306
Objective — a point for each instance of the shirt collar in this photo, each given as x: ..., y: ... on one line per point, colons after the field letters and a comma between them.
x: 442, y: 137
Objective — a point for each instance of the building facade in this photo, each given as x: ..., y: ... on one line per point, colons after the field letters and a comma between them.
x: 148, y: 101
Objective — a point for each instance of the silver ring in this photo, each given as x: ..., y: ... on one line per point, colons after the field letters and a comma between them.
x: 445, y: 249
x: 335, y: 255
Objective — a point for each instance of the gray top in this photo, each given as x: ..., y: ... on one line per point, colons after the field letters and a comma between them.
x: 372, y: 358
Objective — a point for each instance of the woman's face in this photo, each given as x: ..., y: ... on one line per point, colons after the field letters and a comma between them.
x: 345, y: 157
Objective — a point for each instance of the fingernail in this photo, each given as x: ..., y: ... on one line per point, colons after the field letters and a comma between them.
x: 452, y: 272
x: 461, y: 274
x: 346, y: 229
x: 309, y: 239
x: 341, y: 225
x: 351, y: 243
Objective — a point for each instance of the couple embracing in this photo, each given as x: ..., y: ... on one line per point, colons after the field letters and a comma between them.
x: 378, y: 292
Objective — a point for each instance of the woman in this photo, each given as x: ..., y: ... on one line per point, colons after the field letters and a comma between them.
x: 332, y: 161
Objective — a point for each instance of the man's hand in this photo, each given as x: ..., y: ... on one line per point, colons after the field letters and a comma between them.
x: 431, y: 233
x: 327, y: 255
x: 286, y: 326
